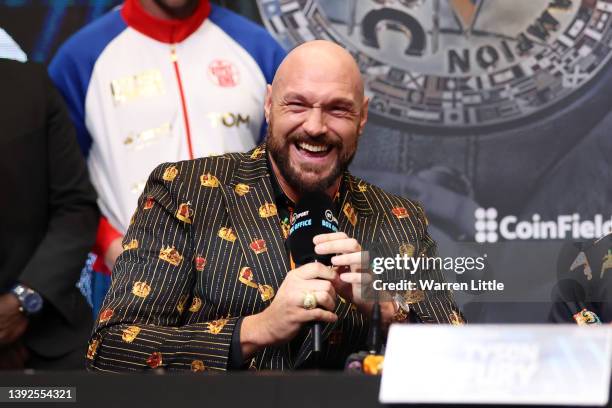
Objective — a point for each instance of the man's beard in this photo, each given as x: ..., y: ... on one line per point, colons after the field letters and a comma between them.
x: 279, y: 151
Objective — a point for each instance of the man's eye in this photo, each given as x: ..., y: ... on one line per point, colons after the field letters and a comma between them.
x: 339, y: 110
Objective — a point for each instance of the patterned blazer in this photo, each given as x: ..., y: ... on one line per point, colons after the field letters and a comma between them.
x: 205, y: 246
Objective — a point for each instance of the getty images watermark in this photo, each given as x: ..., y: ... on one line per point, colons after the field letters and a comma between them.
x: 567, y: 226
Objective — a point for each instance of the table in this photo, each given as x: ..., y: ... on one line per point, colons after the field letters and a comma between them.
x: 307, y: 389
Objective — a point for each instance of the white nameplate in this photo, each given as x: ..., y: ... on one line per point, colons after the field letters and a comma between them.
x: 497, y: 364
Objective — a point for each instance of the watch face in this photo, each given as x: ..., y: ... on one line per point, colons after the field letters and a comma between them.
x: 458, y: 63
x: 32, y: 302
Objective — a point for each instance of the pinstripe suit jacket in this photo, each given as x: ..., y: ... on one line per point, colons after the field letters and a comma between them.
x: 206, y: 246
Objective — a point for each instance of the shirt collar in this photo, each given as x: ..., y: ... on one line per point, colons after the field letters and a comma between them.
x: 167, y: 31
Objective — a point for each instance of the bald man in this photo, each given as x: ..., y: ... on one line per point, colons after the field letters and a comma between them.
x: 206, y: 281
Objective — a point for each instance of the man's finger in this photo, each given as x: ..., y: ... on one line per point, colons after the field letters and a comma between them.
x: 354, y: 258
x: 319, y: 315
x: 316, y: 270
x: 356, y: 278
x: 324, y: 300
x: 320, y: 285
x: 339, y: 246
x: 318, y: 239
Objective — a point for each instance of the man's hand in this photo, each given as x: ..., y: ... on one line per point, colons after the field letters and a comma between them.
x: 112, y: 253
x: 351, y: 282
x: 347, y: 259
x: 282, y: 320
x: 13, y: 323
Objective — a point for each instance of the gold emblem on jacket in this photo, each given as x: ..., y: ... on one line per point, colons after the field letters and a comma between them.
x: 149, y: 201
x: 456, y: 319
x: 170, y: 173
x: 105, y: 315
x: 180, y: 306
x: 414, y: 296
x: 92, y: 349
x: 285, y: 227
x: 245, y: 276
x: 267, y: 210
x: 200, y: 263
x: 185, y: 213
x: 196, y: 305
x: 406, y: 249
x: 129, y: 333
x: 133, y: 244
x: 362, y: 187
x: 266, y: 292
x: 208, y: 180
x: 400, y: 212
x: 170, y: 255
x: 197, y: 366
x: 241, y: 189
x: 141, y: 289
x: 258, y: 246
x: 350, y: 213
x: 216, y: 326
x: 227, y: 234
x: 257, y: 153
x: 155, y: 360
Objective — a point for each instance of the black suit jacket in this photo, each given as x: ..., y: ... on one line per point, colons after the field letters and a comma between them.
x: 206, y: 247
x: 48, y: 213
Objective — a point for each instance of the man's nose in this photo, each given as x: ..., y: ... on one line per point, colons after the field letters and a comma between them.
x: 314, y: 125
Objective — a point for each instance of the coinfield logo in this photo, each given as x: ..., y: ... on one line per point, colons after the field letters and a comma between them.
x: 490, y: 229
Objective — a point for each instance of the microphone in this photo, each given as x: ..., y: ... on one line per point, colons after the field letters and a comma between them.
x: 313, y: 215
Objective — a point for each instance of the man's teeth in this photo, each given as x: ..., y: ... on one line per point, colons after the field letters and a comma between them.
x: 312, y: 148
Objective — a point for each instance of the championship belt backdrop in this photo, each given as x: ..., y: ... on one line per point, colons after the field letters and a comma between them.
x: 495, y: 114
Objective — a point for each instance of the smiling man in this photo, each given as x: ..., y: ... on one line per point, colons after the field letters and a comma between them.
x: 206, y: 280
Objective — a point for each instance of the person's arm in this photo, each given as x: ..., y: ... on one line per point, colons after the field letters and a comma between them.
x: 140, y: 325
x: 437, y: 306
x: 108, y: 243
x: 54, y: 268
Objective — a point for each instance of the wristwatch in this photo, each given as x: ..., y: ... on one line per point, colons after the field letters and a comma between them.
x: 31, y: 301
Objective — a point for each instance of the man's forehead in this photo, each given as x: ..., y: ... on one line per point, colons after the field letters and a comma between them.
x: 319, y: 66
x: 319, y: 85
x: 324, y: 95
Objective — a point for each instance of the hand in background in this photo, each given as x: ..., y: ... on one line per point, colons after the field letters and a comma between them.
x: 13, y: 323
x: 112, y: 253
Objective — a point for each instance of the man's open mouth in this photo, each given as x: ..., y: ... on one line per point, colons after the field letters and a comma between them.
x: 315, y: 150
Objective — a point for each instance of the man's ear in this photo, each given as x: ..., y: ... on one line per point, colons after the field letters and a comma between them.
x: 364, y: 114
x: 268, y: 103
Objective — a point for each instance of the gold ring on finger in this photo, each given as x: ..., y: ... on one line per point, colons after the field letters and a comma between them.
x: 309, y: 301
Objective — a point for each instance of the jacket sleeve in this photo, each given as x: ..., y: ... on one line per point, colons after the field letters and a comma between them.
x: 438, y: 306
x: 141, y: 323
x: 54, y: 268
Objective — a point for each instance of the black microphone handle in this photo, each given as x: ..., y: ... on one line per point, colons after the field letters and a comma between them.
x: 317, y: 336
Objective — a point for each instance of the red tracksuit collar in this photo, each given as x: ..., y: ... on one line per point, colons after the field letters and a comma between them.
x: 168, y: 31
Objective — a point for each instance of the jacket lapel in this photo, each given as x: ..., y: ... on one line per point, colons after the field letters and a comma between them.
x: 252, y: 211
x: 357, y: 219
